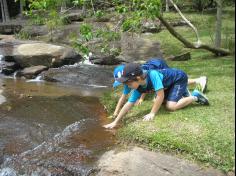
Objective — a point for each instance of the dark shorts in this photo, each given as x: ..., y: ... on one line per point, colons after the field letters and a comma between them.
x: 177, y: 90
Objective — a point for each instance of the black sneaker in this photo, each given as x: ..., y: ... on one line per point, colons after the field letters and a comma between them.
x: 202, y: 99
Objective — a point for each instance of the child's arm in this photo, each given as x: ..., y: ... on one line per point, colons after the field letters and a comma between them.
x: 140, y: 100
x: 156, y: 105
x: 122, y: 113
x: 119, y: 105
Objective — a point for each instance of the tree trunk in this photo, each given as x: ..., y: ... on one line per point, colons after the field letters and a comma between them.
x: 21, y: 7
x: 2, y: 11
x: 167, y: 6
x: 6, y: 12
x: 63, y: 6
x: 188, y: 44
x: 84, y: 9
x: 218, y: 24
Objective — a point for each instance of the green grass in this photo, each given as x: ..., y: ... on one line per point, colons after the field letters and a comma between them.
x: 204, y: 134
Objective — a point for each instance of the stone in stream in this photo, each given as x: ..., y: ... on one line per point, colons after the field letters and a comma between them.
x: 32, y: 72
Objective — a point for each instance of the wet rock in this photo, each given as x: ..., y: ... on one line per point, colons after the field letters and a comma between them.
x: 43, y: 54
x: 8, y: 68
x: 32, y: 72
x: 54, y: 157
x: 87, y: 75
x: 181, y: 57
x: 7, y: 172
x: 137, y: 161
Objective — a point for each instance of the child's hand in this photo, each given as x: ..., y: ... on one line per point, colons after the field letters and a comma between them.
x: 110, y: 125
x: 139, y: 102
x: 148, y: 117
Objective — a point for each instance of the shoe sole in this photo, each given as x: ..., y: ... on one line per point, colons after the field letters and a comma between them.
x: 205, y: 87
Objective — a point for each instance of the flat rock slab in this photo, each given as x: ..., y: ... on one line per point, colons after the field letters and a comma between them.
x: 140, y: 162
x: 31, y: 72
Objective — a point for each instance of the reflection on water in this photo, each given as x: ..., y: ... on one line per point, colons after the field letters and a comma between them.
x: 53, y: 129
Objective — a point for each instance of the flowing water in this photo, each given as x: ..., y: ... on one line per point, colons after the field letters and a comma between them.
x: 51, y: 128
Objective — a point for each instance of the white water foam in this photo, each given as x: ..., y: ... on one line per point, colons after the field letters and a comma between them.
x: 2, y: 98
x: 94, y: 85
x: 1, y: 59
x: 86, y: 60
x: 37, y: 79
x: 7, y: 172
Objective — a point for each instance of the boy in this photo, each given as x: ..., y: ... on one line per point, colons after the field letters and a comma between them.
x: 172, y: 81
x: 154, y: 63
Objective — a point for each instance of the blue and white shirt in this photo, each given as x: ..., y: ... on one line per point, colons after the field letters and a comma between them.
x: 155, y: 81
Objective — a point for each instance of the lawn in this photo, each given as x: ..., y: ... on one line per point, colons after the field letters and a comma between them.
x: 204, y: 134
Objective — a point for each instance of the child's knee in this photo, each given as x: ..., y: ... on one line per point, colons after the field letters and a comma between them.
x: 171, y: 107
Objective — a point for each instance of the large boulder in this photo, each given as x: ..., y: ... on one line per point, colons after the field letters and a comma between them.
x: 81, y: 75
x: 139, y: 47
x: 49, y: 55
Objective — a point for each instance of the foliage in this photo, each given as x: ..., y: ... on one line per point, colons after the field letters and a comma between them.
x: 86, y: 34
x: 108, y: 36
x: 99, y: 14
x: 23, y: 35
x: 53, y: 22
x: 132, y: 24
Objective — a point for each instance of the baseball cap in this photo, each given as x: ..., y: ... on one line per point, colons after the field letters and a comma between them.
x: 118, y: 71
x: 130, y: 72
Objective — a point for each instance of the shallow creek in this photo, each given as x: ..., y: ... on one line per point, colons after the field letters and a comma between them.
x: 51, y: 128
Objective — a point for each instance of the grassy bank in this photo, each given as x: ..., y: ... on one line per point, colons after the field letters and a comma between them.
x: 200, y: 133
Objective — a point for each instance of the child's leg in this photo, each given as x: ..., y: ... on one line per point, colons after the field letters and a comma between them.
x: 175, y: 97
x: 202, y: 81
x: 183, y: 102
x: 192, y: 81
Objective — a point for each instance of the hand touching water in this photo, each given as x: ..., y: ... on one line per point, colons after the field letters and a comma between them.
x: 110, y: 125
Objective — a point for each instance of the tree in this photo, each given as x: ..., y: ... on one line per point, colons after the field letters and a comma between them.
x: 4, y: 10
x: 218, y: 24
x: 216, y: 50
x: 151, y: 9
x: 167, y: 6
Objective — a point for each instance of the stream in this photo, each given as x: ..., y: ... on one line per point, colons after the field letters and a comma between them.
x: 53, y: 128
